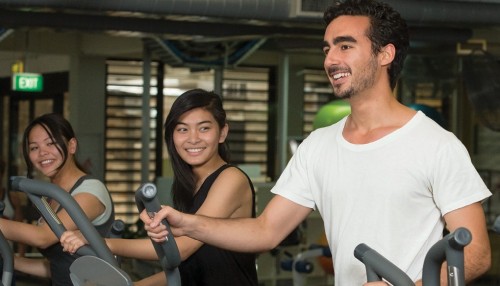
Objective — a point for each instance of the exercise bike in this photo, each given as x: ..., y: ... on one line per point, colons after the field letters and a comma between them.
x: 97, y: 265
x: 450, y: 249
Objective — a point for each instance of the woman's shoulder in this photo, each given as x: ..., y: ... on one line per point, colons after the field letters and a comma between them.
x: 91, y: 183
x: 232, y: 174
x: 233, y: 170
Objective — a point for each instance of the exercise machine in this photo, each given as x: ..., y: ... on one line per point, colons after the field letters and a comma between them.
x: 301, y: 264
x: 450, y: 249
x: 7, y: 257
x: 168, y: 253
x: 97, y: 265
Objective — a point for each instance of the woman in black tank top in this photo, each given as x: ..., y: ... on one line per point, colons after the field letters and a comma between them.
x: 204, y: 183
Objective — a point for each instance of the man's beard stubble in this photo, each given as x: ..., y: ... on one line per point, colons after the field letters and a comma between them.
x: 366, y: 80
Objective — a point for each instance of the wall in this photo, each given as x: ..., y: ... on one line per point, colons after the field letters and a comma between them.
x: 87, y: 88
x: 84, y: 56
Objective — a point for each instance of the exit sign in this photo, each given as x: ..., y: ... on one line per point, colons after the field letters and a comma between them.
x: 31, y: 82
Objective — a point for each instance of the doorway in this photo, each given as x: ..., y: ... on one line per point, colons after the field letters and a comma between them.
x: 20, y: 108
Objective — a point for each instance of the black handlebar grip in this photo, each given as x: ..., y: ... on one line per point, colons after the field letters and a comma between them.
x: 451, y: 249
x: 37, y: 190
x: 168, y: 253
x: 378, y: 267
x: 117, y: 229
x: 359, y: 253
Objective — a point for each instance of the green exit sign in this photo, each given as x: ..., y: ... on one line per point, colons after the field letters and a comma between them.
x: 27, y: 82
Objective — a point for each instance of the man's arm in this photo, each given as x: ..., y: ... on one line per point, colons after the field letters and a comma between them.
x: 259, y: 234
x: 477, y: 255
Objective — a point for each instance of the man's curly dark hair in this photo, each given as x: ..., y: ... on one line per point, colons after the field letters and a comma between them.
x: 387, y: 27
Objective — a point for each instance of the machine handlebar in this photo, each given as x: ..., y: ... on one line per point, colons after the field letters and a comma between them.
x: 168, y: 253
x: 37, y: 191
x: 378, y: 267
x: 449, y: 248
x: 7, y: 255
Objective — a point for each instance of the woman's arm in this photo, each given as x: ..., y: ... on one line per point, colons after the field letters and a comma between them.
x: 35, y: 235
x: 41, y: 235
x: 33, y: 266
x: 72, y: 240
x: 229, y: 196
x: 18, y: 216
x: 158, y: 279
x: 133, y: 248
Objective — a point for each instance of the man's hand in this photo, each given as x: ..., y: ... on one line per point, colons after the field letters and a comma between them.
x: 155, y: 229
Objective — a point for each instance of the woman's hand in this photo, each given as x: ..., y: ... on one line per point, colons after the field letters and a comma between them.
x: 378, y: 283
x: 72, y: 240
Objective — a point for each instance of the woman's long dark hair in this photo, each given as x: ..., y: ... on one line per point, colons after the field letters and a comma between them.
x: 184, y: 183
x: 59, y: 130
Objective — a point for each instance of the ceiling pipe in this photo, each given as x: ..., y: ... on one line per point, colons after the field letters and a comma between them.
x: 238, y: 9
x: 462, y: 13
x: 147, y: 25
x: 414, y: 11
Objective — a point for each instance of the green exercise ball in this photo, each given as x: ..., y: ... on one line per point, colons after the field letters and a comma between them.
x: 331, y: 113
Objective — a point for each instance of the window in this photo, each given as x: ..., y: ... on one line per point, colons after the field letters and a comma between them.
x: 317, y: 92
x: 245, y: 98
x: 123, y: 144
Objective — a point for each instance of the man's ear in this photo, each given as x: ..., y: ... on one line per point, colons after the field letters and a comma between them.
x: 223, y: 133
x: 387, y: 54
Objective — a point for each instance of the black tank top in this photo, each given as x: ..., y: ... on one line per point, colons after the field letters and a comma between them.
x: 59, y: 260
x: 212, y: 266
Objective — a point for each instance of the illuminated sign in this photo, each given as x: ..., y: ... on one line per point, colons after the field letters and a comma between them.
x: 31, y: 82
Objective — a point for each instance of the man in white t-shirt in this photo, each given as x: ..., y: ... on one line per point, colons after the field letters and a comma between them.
x: 386, y: 175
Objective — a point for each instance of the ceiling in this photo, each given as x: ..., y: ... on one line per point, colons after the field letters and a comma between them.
x: 223, y: 32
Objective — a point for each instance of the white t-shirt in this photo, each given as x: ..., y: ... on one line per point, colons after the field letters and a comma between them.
x: 390, y: 194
